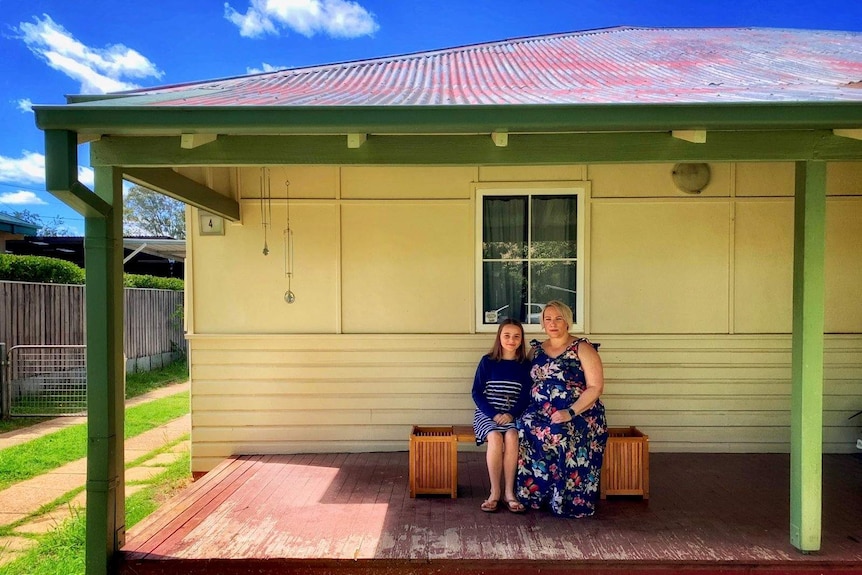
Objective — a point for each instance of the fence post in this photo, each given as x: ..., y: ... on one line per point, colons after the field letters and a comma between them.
x: 4, y: 390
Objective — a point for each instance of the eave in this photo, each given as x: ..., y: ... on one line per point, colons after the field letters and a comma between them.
x: 113, y: 119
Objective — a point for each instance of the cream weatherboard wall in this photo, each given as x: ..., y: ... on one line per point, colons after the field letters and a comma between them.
x: 689, y: 295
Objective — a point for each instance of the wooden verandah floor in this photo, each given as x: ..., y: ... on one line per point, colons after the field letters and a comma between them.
x: 352, y: 513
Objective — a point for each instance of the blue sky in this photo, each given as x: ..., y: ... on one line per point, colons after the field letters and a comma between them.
x: 51, y: 48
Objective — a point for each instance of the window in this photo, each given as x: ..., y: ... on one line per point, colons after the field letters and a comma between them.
x: 529, y: 252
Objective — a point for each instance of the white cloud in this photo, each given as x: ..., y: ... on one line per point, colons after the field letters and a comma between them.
x: 251, y: 24
x: 29, y: 169
x: 98, y: 70
x: 336, y: 18
x: 25, y: 105
x: 86, y: 176
x: 22, y: 198
x: 264, y: 68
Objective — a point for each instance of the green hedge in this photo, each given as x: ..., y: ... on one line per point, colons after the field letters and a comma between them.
x: 41, y: 269
x: 152, y: 282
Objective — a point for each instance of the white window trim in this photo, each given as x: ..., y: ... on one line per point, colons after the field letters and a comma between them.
x: 579, y: 189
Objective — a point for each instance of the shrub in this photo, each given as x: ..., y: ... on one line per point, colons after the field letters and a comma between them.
x: 42, y: 269
x: 152, y: 282
x: 39, y: 269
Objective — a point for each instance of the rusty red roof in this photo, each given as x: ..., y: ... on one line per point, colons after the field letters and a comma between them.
x: 615, y: 65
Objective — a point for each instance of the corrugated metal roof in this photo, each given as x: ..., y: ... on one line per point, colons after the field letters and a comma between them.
x: 616, y: 65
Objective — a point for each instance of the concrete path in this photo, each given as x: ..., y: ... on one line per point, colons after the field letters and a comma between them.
x: 26, y: 497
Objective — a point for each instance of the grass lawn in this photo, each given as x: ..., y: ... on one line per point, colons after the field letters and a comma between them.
x: 61, y: 551
x: 27, y: 460
x: 145, y: 381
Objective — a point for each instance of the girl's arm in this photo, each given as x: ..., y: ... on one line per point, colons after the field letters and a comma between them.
x: 479, y: 390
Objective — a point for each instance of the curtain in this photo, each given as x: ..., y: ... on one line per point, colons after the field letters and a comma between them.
x: 504, y: 241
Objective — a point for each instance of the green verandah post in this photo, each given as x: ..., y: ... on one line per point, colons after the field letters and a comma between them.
x: 104, y: 328
x: 105, y: 377
x: 806, y: 412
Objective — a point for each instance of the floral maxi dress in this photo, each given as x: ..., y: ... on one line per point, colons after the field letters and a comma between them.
x: 559, y: 465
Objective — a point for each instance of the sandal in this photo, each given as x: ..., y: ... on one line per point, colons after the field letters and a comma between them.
x: 515, y: 506
x: 490, y: 506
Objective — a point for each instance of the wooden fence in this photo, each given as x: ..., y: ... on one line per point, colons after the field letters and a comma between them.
x: 52, y: 314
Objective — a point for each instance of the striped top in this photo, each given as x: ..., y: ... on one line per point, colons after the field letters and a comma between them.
x: 501, y: 386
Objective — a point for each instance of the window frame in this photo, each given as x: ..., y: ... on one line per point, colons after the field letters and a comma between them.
x: 581, y: 191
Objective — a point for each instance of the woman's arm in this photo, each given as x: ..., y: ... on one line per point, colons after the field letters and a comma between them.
x: 591, y: 363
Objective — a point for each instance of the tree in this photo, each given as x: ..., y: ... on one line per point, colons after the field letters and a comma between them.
x: 54, y: 227
x: 146, y: 212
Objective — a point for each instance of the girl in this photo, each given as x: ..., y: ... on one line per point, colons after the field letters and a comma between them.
x: 501, y: 392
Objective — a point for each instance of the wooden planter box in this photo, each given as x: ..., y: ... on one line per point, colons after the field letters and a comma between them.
x: 433, y: 461
x: 625, y: 470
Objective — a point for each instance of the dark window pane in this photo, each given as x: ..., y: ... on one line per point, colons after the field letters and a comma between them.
x: 554, y: 280
x: 554, y: 232
x: 505, y: 291
x: 504, y: 227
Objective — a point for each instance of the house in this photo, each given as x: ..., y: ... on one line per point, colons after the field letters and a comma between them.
x: 155, y: 256
x: 358, y: 230
x: 12, y: 228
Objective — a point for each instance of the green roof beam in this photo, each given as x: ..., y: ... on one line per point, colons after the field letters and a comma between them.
x: 179, y: 187
x: 522, y: 149
x: 113, y: 117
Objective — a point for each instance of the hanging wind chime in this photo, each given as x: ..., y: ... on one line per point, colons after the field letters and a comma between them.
x: 289, y: 297
x: 265, y: 207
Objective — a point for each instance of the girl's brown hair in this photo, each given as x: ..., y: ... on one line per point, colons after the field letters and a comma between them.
x: 496, y: 352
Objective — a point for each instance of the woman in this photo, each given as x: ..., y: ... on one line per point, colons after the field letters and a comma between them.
x: 563, y: 431
x: 500, y: 394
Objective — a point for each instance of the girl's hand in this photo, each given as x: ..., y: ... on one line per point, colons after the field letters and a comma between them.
x: 503, y: 419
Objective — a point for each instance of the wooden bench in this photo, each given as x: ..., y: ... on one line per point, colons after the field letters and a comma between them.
x: 434, y: 458
x: 625, y: 470
x: 464, y: 433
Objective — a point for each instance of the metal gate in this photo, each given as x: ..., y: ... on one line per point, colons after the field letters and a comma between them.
x: 45, y: 380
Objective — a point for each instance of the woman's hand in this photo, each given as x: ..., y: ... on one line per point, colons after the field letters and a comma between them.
x: 503, y: 419
x: 561, y: 416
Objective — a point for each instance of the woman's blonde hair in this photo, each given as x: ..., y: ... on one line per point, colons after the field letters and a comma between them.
x: 564, y: 310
